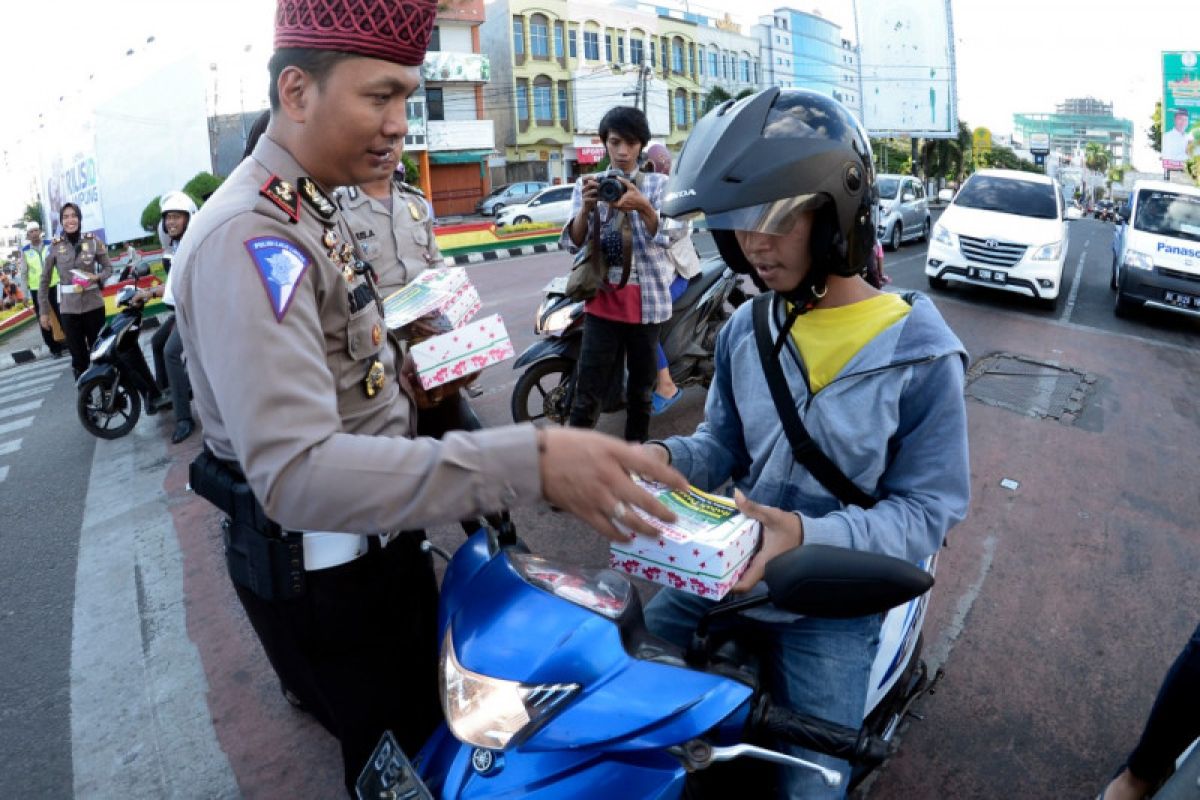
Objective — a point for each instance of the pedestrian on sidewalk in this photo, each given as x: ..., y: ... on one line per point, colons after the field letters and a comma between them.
x: 33, y: 259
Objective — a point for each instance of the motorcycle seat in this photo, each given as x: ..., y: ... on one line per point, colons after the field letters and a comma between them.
x: 710, y: 272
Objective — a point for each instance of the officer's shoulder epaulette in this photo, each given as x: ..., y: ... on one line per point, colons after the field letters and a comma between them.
x: 408, y: 187
x: 283, y: 195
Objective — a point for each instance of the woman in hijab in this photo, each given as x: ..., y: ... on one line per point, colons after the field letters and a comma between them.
x: 81, y: 261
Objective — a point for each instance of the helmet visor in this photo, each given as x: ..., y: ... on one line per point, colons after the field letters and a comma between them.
x: 776, y: 217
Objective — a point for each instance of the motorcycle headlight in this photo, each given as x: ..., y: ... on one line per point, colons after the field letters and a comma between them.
x: 492, y: 712
x: 103, y: 347
x: 1048, y: 252
x: 558, y: 321
x: 600, y: 590
x: 943, y: 236
x: 1136, y: 260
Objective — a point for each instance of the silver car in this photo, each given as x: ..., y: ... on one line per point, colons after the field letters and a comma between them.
x: 903, y: 210
x: 510, y: 194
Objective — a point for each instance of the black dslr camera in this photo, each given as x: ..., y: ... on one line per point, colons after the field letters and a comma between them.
x: 610, y: 189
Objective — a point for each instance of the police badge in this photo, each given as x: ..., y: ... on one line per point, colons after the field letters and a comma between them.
x: 373, y: 382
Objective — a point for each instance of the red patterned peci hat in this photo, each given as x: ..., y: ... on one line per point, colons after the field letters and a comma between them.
x: 393, y: 30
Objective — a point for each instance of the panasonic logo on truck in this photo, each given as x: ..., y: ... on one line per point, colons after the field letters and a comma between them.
x: 1176, y: 250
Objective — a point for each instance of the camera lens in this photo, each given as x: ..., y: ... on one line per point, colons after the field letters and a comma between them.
x: 610, y: 190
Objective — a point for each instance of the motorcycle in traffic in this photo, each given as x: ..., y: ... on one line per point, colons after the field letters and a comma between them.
x: 553, y: 687
x: 546, y: 389
x: 111, y: 391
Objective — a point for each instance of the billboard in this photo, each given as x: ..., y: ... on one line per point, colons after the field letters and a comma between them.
x: 1180, y: 109
x: 906, y: 58
x: 1039, y: 143
x: 69, y: 173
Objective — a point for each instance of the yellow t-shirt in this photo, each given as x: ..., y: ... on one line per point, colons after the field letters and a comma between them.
x: 829, y: 337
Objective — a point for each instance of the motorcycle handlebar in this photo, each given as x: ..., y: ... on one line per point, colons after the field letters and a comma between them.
x: 826, y: 737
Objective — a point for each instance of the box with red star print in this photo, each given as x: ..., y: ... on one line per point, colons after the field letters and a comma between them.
x: 704, y: 551
x: 450, y: 356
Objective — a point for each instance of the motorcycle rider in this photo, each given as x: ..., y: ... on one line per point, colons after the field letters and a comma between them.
x: 169, y: 370
x: 786, y: 184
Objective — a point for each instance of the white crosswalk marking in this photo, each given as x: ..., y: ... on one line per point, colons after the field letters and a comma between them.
x: 15, y: 425
x: 24, y: 408
x: 39, y: 368
x: 8, y: 448
x: 40, y: 380
x: 21, y: 394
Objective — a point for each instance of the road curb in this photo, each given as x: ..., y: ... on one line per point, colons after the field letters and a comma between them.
x: 500, y: 254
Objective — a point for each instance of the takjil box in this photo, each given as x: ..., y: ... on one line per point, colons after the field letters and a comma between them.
x: 445, y: 297
x: 450, y: 356
x: 704, y: 551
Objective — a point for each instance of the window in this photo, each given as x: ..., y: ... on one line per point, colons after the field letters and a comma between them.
x: 518, y: 36
x: 696, y: 107
x: 434, y: 104
x: 691, y: 59
x: 539, y: 36
x: 636, y: 55
x: 653, y: 53
x: 680, y: 109
x: 700, y: 61
x: 573, y: 43
x: 563, y: 116
x: 677, y: 56
x: 745, y: 70
x: 543, y: 108
x: 522, y: 103
x: 712, y: 64
x: 435, y: 39
x: 621, y: 50
x: 558, y: 40
x: 591, y: 46
x: 608, y: 47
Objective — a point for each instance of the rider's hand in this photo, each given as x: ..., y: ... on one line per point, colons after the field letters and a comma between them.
x: 44, y: 321
x: 633, y: 199
x: 781, y: 531
x: 658, y: 452
x: 587, y: 474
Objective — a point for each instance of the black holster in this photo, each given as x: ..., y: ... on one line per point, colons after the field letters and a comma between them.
x: 260, y: 556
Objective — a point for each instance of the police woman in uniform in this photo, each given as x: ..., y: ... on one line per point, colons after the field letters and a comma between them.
x: 74, y: 256
x: 309, y: 408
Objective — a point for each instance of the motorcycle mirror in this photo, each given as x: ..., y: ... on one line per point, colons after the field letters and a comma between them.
x: 125, y: 295
x: 141, y: 270
x: 837, y: 583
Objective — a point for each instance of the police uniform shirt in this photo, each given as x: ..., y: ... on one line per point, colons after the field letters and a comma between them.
x: 279, y: 360
x: 399, y: 244
x: 75, y: 298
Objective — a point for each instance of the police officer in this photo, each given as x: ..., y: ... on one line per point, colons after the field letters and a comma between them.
x: 393, y: 227
x: 33, y: 258
x: 74, y: 258
x: 302, y: 393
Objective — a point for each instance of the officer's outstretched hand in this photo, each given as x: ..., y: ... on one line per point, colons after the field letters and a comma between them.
x: 587, y: 474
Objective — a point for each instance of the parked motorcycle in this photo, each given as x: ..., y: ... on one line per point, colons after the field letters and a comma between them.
x: 112, y: 389
x: 553, y: 687
x: 546, y: 389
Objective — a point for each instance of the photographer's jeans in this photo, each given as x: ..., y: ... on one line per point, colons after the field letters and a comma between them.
x: 604, y: 341
x: 819, y: 667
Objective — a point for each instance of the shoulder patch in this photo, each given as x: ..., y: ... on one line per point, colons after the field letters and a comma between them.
x: 315, y: 197
x: 408, y: 187
x: 281, y: 265
x: 281, y: 193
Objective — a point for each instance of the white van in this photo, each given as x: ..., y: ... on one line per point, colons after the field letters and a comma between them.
x: 1005, y: 230
x: 1156, y: 253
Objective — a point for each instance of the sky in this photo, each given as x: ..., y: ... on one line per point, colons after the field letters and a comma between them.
x: 1015, y: 56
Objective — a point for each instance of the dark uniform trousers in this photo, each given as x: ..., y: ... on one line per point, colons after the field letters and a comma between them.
x: 81, y: 331
x: 359, y: 648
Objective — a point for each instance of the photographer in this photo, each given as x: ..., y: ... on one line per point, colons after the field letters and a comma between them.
x: 617, y: 216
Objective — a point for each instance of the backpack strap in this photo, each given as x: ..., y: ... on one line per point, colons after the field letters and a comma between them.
x: 804, y: 449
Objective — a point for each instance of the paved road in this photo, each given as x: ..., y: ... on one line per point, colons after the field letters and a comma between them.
x: 129, y: 670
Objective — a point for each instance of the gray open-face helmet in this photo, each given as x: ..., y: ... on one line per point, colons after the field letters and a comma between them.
x: 755, y: 164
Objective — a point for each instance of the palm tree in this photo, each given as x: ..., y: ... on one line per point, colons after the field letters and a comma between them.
x: 1095, y: 157
x: 947, y: 158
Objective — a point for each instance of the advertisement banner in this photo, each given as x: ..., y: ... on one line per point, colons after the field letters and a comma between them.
x: 908, y: 69
x: 69, y: 169
x: 1180, y: 108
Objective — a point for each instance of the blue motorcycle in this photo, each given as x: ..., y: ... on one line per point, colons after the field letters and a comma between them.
x: 553, y: 687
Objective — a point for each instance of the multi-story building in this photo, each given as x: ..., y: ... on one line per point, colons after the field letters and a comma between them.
x: 774, y: 35
x: 1076, y: 122
x: 821, y: 58
x: 449, y: 131
x: 728, y: 58
x: 558, y: 66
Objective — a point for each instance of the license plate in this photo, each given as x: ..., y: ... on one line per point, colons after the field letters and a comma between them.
x: 993, y: 275
x: 389, y: 774
x: 1182, y: 300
